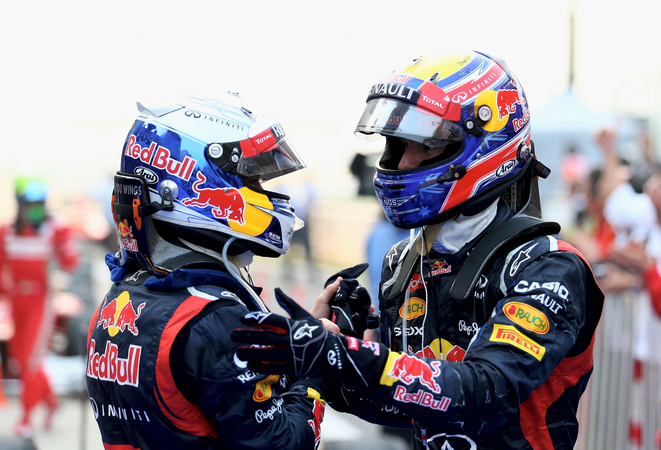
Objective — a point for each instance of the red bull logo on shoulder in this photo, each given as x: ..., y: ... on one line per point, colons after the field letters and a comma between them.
x: 408, y: 369
x: 119, y: 315
x: 227, y: 203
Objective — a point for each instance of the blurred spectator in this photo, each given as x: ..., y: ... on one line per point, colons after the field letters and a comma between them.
x: 593, y: 235
x: 27, y: 247
x: 383, y: 234
x: 381, y: 238
x: 303, y: 196
x: 645, y: 260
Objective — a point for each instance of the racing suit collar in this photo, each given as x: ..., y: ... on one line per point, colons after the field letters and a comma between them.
x: 456, y: 233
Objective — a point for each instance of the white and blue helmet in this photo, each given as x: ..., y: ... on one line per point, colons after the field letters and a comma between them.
x: 191, y: 172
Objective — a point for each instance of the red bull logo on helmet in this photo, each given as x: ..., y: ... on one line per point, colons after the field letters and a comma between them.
x: 119, y: 315
x: 408, y: 369
x: 160, y: 157
x: 227, y: 203
x: 506, y: 102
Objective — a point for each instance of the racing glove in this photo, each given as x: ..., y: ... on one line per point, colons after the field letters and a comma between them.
x: 350, y: 307
x: 303, y: 347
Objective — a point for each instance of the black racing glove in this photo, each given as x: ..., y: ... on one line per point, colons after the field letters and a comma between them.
x: 302, y: 347
x: 350, y: 307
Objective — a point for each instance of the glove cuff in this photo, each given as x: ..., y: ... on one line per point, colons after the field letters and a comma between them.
x: 360, y: 365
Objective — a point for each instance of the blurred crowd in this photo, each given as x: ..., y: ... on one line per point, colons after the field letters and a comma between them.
x: 617, y: 215
x: 617, y: 226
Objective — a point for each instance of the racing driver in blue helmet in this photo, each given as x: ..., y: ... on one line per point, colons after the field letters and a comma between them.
x: 191, y: 214
x: 487, y: 317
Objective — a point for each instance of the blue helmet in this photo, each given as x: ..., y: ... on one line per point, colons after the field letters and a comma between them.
x: 190, y: 177
x: 468, y: 103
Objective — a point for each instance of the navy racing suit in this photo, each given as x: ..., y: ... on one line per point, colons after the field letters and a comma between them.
x: 162, y: 371
x: 504, y: 368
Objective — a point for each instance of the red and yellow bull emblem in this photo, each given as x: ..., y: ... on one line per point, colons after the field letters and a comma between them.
x: 119, y: 315
x: 408, y: 369
x: 510, y: 335
x: 505, y: 103
x: 126, y: 240
x: 440, y: 267
x: 242, y: 208
x: 527, y: 316
x: 227, y: 203
x: 416, y: 308
x: 263, y: 389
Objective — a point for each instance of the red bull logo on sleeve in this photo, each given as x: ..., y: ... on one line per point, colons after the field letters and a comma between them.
x: 119, y: 315
x: 421, y: 398
x: 227, y: 203
x: 408, y: 369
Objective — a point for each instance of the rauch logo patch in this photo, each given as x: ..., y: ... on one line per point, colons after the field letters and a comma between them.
x: 416, y: 308
x: 528, y: 317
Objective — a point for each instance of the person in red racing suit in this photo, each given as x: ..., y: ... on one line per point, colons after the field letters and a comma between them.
x: 27, y: 247
x: 162, y: 371
x: 502, y: 367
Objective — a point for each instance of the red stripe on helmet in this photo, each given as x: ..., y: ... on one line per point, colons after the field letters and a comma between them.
x: 466, y: 187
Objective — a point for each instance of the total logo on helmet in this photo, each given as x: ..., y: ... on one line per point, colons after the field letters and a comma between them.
x: 119, y: 315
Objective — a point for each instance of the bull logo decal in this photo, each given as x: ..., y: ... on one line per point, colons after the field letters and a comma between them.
x: 227, y: 203
x: 119, y: 315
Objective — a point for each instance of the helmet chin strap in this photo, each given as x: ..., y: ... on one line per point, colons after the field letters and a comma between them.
x: 233, y: 264
x: 234, y: 271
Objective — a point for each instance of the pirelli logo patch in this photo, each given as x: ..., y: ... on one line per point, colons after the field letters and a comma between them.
x: 510, y: 335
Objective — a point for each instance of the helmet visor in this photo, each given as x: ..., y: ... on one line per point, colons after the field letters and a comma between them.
x: 388, y: 117
x: 273, y: 161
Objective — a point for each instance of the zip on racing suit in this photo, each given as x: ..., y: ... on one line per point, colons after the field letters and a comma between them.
x: 162, y: 371
x: 502, y: 369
